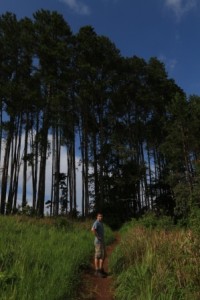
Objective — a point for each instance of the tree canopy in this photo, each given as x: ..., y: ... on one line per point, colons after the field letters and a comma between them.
x: 133, y: 130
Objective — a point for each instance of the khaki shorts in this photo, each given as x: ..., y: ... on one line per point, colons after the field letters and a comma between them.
x: 99, y: 251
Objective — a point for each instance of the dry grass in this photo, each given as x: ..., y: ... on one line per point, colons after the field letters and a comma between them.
x: 157, y: 263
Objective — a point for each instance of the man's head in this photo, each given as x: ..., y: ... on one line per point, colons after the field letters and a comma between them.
x: 99, y: 217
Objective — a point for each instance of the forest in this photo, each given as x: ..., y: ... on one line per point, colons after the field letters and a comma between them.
x: 131, y: 129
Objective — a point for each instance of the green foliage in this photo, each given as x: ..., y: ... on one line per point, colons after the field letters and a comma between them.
x: 41, y: 261
x: 64, y: 223
x: 156, y: 264
x: 151, y: 220
x: 183, y: 202
x: 194, y: 220
x: 130, y: 224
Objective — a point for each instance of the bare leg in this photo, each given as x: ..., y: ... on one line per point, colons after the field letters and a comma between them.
x: 96, y: 263
x: 100, y: 264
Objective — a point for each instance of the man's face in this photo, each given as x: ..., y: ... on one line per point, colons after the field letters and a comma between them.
x: 99, y: 217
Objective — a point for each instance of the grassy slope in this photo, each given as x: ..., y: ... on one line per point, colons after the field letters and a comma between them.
x: 39, y: 260
x: 152, y: 263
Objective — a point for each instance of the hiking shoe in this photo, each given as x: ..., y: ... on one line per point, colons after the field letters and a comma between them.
x: 103, y: 272
x: 98, y: 273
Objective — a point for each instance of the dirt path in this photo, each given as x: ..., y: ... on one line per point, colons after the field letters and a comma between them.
x: 95, y: 288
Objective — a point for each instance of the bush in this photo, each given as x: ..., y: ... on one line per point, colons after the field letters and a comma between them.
x: 194, y: 220
x: 151, y: 220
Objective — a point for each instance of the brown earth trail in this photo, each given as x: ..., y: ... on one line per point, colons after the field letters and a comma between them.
x: 95, y: 288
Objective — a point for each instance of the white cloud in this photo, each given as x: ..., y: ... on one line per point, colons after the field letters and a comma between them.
x: 170, y: 63
x: 181, y: 7
x: 77, y: 6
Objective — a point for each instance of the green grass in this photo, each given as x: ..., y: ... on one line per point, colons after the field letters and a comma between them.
x: 39, y: 260
x: 156, y: 264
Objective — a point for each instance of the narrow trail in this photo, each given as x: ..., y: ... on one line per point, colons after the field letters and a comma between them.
x: 94, y: 288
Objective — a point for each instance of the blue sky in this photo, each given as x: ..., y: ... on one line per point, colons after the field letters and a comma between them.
x: 166, y: 29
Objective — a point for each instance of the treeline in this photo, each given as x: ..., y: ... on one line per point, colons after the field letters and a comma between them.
x: 135, y: 132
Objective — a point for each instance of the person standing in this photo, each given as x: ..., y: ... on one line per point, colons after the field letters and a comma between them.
x: 98, y: 230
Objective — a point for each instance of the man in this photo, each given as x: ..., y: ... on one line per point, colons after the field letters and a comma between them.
x: 98, y: 230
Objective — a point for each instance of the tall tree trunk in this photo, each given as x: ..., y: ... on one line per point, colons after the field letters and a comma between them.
x: 96, y: 177
x: 52, y: 199
x: 72, y: 175
x: 24, y: 187
x: 56, y: 169
x: 4, y: 180
x: 86, y: 175
x: 14, y: 166
x: 101, y: 158
x: 83, y: 173
x: 186, y: 158
x: 34, y: 160
x: 42, y: 167
x: 1, y: 121
x: 149, y: 180
x: 74, y: 170
x: 12, y: 163
x: 69, y: 178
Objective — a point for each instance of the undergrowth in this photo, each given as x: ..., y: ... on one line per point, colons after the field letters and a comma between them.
x: 156, y: 262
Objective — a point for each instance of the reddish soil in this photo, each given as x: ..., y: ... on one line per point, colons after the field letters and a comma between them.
x: 95, y: 288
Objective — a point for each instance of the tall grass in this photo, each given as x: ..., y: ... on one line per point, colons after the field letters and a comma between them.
x: 41, y: 261
x: 156, y: 264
